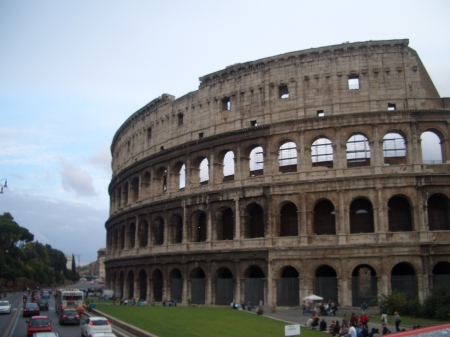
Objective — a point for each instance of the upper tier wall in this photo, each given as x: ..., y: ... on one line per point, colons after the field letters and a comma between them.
x: 280, y: 88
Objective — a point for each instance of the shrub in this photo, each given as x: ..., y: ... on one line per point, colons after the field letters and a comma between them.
x: 396, y: 301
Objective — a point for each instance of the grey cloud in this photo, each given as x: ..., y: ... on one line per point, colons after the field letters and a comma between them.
x: 76, y: 179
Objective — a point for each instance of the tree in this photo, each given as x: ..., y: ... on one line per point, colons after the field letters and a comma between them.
x: 74, y: 269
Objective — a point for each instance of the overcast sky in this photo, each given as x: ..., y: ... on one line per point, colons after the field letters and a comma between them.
x: 71, y: 72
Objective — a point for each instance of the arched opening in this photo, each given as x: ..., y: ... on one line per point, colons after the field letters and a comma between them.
x: 394, y: 149
x: 322, y: 153
x: 288, y: 220
x: 254, y: 222
x: 176, y: 228
x: 157, y: 231
x: 197, y: 277
x: 361, y: 216
x: 431, y: 148
x: 142, y: 279
x: 199, y: 227
x: 121, y: 285
x: 358, y: 151
x: 287, y: 157
x: 135, y: 189
x: 228, y: 166
x: 438, y: 212
x: 131, y: 235
x: 143, y: 234
x: 125, y: 193
x: 288, y: 288
x: 254, y: 285
x: 225, y: 224
x: 325, y: 283
x: 224, y: 286
x: 204, y: 172
x: 441, y: 275
x: 324, y: 218
x: 404, y: 280
x: 130, y: 284
x: 157, y: 280
x: 122, y: 237
x: 176, y: 285
x: 257, y: 162
x: 399, y: 214
x: 364, y: 285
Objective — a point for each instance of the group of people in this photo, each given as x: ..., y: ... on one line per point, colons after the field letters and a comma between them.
x: 353, y: 326
x: 323, y: 309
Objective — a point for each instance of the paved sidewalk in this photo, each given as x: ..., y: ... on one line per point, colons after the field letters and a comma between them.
x: 295, y: 316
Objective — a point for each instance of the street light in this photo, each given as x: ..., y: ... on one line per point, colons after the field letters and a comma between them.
x: 5, y: 185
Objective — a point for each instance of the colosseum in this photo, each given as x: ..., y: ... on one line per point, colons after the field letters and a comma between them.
x: 295, y: 174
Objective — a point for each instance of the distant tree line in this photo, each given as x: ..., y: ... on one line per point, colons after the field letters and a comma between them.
x: 23, y: 258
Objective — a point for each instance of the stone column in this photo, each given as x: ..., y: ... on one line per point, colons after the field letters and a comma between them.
x: 237, y: 219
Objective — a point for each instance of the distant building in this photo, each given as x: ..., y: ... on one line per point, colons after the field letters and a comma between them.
x: 101, y: 254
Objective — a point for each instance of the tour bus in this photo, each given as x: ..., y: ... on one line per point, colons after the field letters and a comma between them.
x: 69, y: 298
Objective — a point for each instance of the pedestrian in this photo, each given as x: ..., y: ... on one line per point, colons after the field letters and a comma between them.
x: 397, y: 321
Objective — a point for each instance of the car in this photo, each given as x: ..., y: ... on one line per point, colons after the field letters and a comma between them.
x: 69, y: 316
x: 38, y: 324
x: 91, y: 282
x: 104, y: 334
x: 101, y: 282
x: 95, y: 324
x: 43, y: 304
x: 45, y: 334
x: 5, y: 307
x: 30, y: 309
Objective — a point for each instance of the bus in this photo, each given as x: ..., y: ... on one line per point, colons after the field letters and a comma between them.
x: 69, y: 298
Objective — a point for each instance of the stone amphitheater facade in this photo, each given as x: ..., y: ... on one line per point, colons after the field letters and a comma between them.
x: 278, y: 178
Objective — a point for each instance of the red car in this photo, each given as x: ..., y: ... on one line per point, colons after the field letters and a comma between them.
x: 38, y: 324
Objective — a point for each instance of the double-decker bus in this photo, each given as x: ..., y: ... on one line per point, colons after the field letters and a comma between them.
x: 69, y: 298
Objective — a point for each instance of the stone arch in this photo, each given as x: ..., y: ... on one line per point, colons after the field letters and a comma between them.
x: 157, y: 231
x: 254, y: 226
x: 122, y: 237
x: 438, y: 212
x: 225, y: 223
x: 176, y: 228
x: 399, y: 214
x: 358, y: 150
x: 325, y: 283
x: 288, y: 220
x: 198, y: 286
x: 322, y: 152
x: 228, y: 161
x: 361, y: 216
x: 157, y: 283
x: 288, y: 292
x: 441, y: 274
x: 199, y: 226
x: 179, y: 175
x: 130, y: 284
x: 364, y: 285
x: 135, y: 189
x: 143, y: 233
x: 324, y: 218
x: 121, y: 285
x: 131, y: 234
x: 160, y: 180
x: 404, y: 279
x: 287, y: 157
x: 394, y: 148
x: 224, y: 286
x: 176, y: 285
x: 254, y: 285
x: 256, y: 161
x: 142, y: 282
x: 431, y: 140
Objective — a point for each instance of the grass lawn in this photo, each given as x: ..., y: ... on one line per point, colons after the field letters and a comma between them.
x: 199, y: 321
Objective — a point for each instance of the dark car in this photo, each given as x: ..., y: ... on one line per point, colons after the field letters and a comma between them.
x: 69, y: 316
x: 30, y: 309
x: 43, y: 304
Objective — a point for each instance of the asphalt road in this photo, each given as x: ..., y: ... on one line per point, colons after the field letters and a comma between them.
x: 14, y: 325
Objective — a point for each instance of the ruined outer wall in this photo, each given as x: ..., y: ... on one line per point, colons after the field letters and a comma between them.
x: 389, y: 72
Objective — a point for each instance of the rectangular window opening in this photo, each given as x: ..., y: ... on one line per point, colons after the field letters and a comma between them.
x: 320, y: 113
x: 226, y: 104
x: 180, y: 119
x: 200, y: 135
x: 353, y: 83
x: 283, y: 91
x: 253, y: 123
x: 162, y: 148
x: 392, y: 106
x: 149, y: 133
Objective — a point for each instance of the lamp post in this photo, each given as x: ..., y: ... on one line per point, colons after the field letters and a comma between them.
x: 5, y: 185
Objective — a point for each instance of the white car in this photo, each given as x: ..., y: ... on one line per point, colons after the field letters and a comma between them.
x: 45, y: 334
x: 104, y: 334
x: 5, y: 307
x: 93, y: 325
